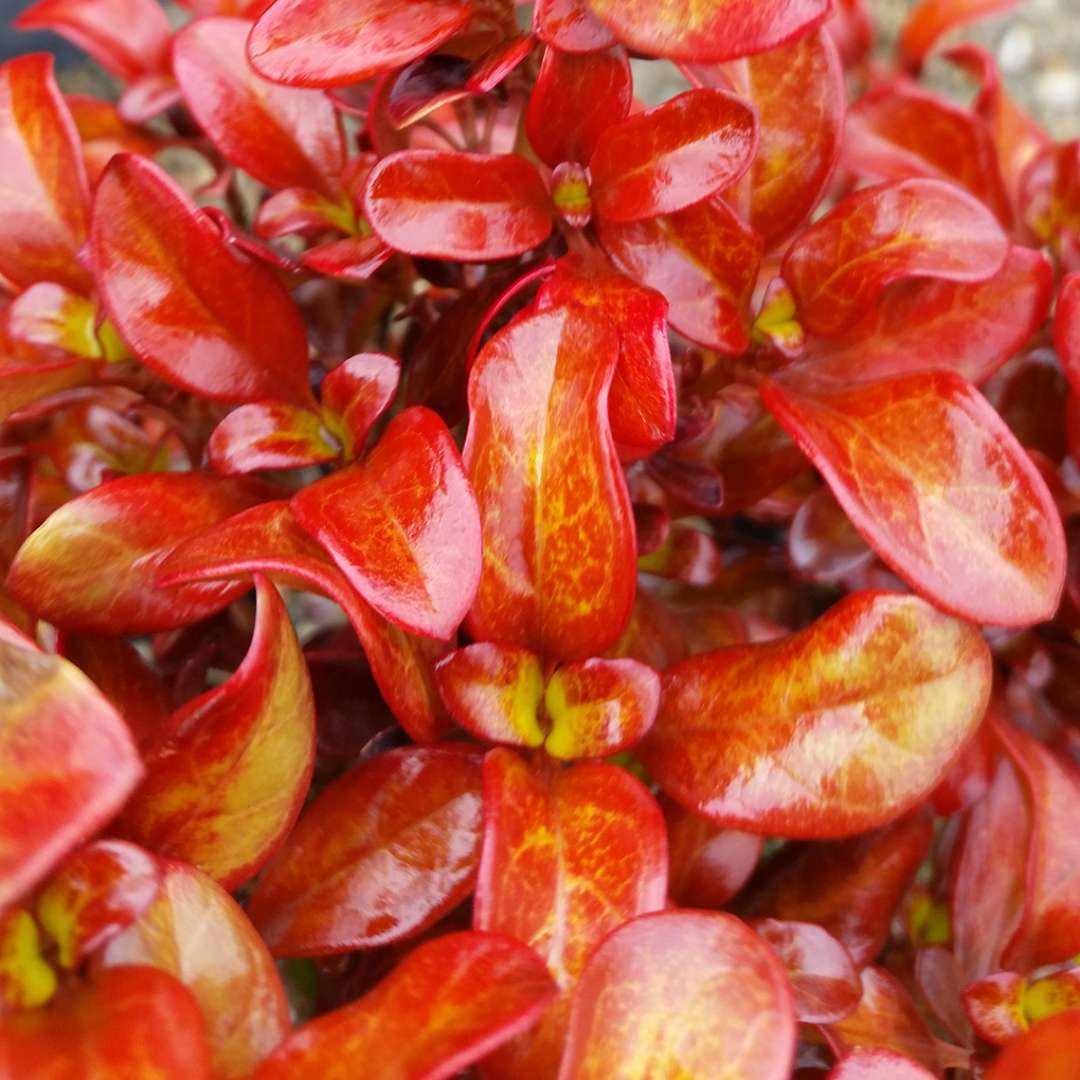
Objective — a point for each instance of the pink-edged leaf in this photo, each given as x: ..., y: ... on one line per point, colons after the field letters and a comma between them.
x: 714, y: 997
x: 126, y: 37
x: 494, y: 692
x: 282, y: 136
x: 269, y: 435
x: 938, y: 486
x: 46, y: 196
x: 69, y: 762
x: 348, y: 41
x: 839, y: 266
x: 447, y: 1004
x: 794, y: 737
x: 466, y: 207
x: 878, y: 1064
x: 703, y: 260
x: 825, y: 984
x: 356, y: 393
x: 718, y: 30
x: 568, y: 26
x: 673, y: 156
x: 575, y: 100
x: 227, y: 782
x: 403, y: 526
x: 91, y: 566
x: 191, y: 311
x: 382, y: 854
x: 196, y: 932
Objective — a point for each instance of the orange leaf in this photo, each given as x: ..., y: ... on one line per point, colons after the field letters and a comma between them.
x: 1046, y: 1052
x: 269, y: 435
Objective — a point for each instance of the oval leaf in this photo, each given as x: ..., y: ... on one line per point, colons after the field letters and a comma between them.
x: 831, y: 731
x: 382, y: 853
x: 356, y: 393
x: 269, y: 435
x: 715, y: 1004
x: 567, y: 25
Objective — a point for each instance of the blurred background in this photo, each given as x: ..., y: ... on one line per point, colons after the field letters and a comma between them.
x: 1037, y: 46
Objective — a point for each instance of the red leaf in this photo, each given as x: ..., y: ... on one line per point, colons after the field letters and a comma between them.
x: 126, y: 37
x: 69, y: 762
x: 44, y: 178
x: 349, y: 41
x: 132, y: 1021
x: 466, y: 207
x: 24, y: 384
x: 226, y: 784
x: 568, y: 26
x: 282, y: 136
x: 213, y: 324
x: 715, y: 997
x: 403, y: 526
x: 94, y: 894
x: 718, y: 30
x: 838, y: 266
x: 93, y: 564
x: 355, y: 258
x: 932, y: 19
x: 576, y: 98
x: 196, y: 932
x: 673, y: 156
x: 995, y: 1007
x: 703, y: 260
x: 878, y: 1064
x: 1046, y: 1052
x: 269, y: 435
x: 825, y: 984
x: 708, y: 864
x: 1067, y: 328
x: 558, y: 573
x: 383, y: 853
x: 939, y: 487
x: 832, y: 731
x: 447, y: 1004
x: 356, y: 393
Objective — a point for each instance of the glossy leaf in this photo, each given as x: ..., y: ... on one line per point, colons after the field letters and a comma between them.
x: 714, y: 1001
x: 839, y: 266
x: 558, y: 554
x: 567, y: 25
x: 575, y: 100
x: 91, y: 565
x: 793, y: 737
x: 69, y: 762
x: 47, y: 217
x: 51, y: 317
x: 708, y: 865
x: 447, y: 1004
x: 94, y: 894
x: 382, y: 853
x: 599, y: 707
x: 348, y: 41
x: 282, y: 136
x: 704, y: 260
x: 196, y: 932
x: 403, y: 526
x: 931, y: 19
x: 189, y: 309
x: 673, y: 156
x: 720, y: 30
x: 468, y: 207
x: 226, y: 784
x: 494, y: 691
x: 878, y: 1064
x: 269, y: 435
x: 129, y: 1022
x: 825, y: 984
x: 939, y: 488
x: 356, y: 393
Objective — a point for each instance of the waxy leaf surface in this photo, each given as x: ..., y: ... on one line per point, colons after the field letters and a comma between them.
x: 716, y: 30
x: 348, y: 41
x: 838, y: 266
x: 282, y: 136
x: 403, y: 525
x: 446, y: 1005
x: 558, y: 557
x: 995, y: 1007
x: 226, y: 784
x: 673, y: 156
x: 831, y: 731
x: 195, y: 931
x: 681, y: 993
x: 568, y: 26
x: 46, y: 196
x: 939, y: 488
x: 382, y: 853
x: 356, y: 393
x: 69, y: 762
x: 92, y: 564
x: 192, y: 312
x: 269, y: 435
x: 466, y: 207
